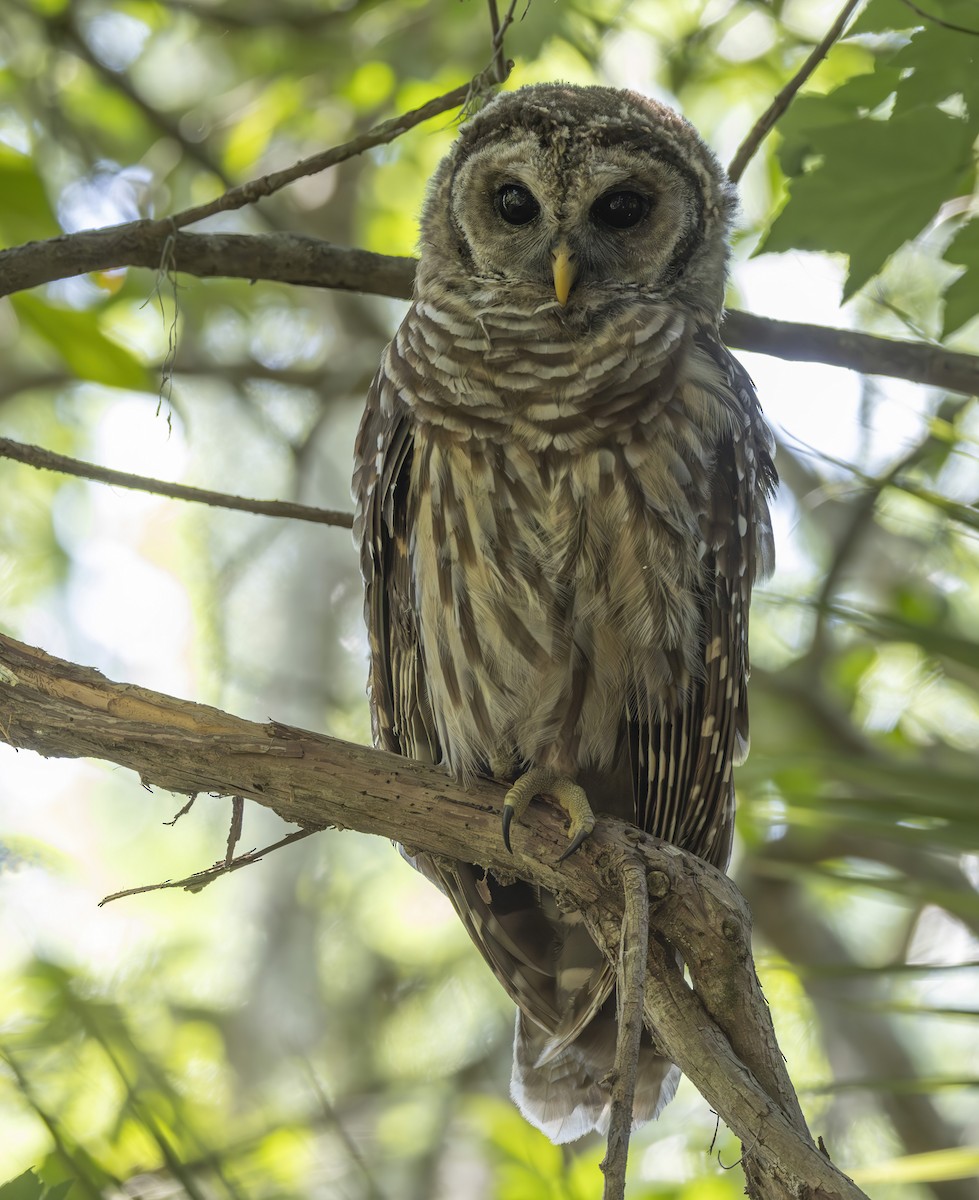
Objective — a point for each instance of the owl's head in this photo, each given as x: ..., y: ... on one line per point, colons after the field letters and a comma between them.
x: 581, y: 196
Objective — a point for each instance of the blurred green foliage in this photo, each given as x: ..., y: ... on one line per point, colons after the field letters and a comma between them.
x: 29, y: 1187
x: 854, y: 187
x: 319, y: 1025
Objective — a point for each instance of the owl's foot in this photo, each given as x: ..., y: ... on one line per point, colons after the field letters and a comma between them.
x: 541, y: 781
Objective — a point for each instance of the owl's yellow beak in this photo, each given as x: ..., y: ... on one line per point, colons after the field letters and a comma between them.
x: 564, y: 270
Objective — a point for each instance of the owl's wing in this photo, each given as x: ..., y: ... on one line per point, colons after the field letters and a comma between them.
x: 683, y: 759
x: 401, y: 714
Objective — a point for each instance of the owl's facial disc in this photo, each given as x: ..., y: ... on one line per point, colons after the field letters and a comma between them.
x: 580, y: 228
x: 579, y: 199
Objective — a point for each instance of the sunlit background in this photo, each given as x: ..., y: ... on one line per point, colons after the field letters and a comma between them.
x: 319, y: 1024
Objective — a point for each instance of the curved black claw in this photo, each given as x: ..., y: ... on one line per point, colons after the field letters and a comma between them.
x: 576, y: 842
x: 507, y: 819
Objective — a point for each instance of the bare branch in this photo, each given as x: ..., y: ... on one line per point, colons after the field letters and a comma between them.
x: 35, y: 456
x: 278, y: 257
x: 766, y: 122
x: 719, y: 1032
x: 93, y: 250
x: 864, y: 352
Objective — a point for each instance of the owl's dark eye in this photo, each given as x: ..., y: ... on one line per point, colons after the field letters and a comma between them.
x: 516, y: 205
x: 620, y: 210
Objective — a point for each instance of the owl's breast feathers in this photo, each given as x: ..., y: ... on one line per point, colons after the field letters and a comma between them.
x: 561, y: 536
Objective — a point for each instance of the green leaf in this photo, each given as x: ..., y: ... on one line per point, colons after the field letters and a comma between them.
x: 79, y: 340
x: 24, y: 1187
x: 869, y: 196
x: 855, y: 188
x: 883, y: 16
x: 801, y: 125
x: 962, y: 296
x: 29, y: 1187
x: 25, y: 214
x: 936, y: 64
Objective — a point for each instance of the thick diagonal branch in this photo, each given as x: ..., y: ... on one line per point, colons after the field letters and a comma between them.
x: 719, y: 1032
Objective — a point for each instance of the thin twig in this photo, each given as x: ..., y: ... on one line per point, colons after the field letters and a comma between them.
x: 631, y: 984
x: 183, y: 811
x: 494, y: 17
x: 200, y: 879
x: 763, y: 126
x: 501, y: 66
x: 380, y: 135
x: 35, y: 456
x: 938, y: 20
x: 234, y: 831
x: 255, y: 189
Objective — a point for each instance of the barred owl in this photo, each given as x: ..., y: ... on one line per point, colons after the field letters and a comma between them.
x: 561, y: 481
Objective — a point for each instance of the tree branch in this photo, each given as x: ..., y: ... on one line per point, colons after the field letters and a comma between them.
x: 35, y: 456
x: 719, y: 1032
x: 275, y: 257
x: 502, y: 66
x: 863, y: 352
x: 299, y: 259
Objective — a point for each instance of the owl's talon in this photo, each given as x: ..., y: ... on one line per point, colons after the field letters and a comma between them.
x: 583, y: 834
x: 507, y: 820
x: 515, y: 804
x: 541, y: 781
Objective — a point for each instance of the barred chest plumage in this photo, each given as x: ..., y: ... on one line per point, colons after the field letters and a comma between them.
x: 559, y: 480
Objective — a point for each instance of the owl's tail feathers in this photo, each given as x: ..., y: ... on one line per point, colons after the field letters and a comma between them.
x: 564, y: 1094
